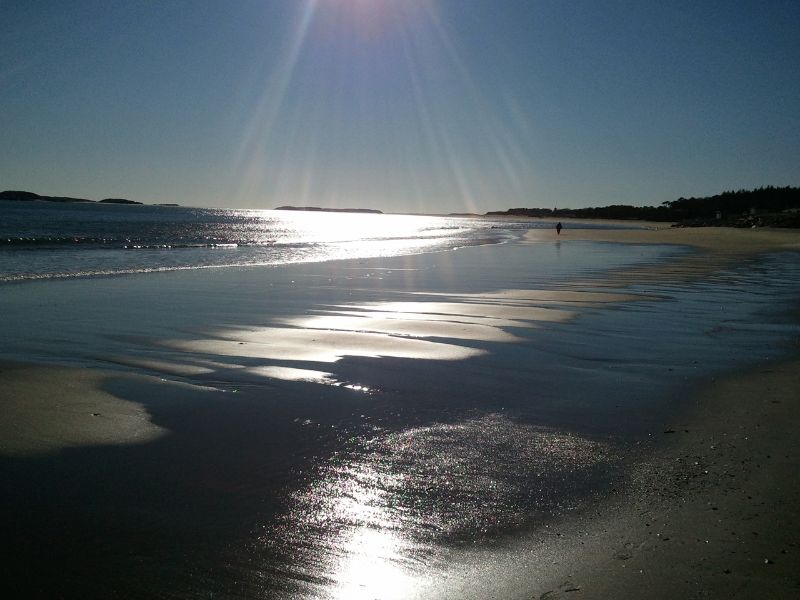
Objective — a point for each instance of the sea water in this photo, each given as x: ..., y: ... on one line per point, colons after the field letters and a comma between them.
x: 52, y: 240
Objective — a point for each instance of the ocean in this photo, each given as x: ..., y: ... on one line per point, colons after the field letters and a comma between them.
x: 45, y: 240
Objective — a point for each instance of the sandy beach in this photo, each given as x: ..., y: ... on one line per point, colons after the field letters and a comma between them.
x: 712, y: 510
x: 612, y: 434
x: 714, y: 247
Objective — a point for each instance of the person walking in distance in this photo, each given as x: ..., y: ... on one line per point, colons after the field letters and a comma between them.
x: 558, y: 228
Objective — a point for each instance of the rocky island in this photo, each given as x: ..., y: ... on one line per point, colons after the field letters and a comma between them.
x: 22, y: 196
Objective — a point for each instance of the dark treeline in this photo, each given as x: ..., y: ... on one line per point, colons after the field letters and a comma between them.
x: 742, y: 207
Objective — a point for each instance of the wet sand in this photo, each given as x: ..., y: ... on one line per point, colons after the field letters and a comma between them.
x: 714, y: 248
x: 711, y: 508
x: 713, y: 511
x: 724, y: 240
x: 430, y: 427
x: 708, y: 509
x: 58, y: 408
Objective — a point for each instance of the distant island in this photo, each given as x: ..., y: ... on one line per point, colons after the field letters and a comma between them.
x: 118, y: 201
x: 341, y: 210
x: 766, y: 206
x: 21, y: 196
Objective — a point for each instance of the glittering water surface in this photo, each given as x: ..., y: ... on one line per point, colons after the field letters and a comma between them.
x: 51, y: 240
x: 373, y: 520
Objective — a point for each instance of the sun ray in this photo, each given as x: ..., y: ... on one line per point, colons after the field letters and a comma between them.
x: 371, y: 102
x: 253, y: 148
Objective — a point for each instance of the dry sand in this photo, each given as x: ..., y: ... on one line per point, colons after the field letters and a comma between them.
x: 726, y: 240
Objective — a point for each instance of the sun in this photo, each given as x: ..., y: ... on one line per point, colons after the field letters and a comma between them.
x: 370, y: 18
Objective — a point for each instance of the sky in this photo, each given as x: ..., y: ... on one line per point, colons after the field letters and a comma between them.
x: 432, y: 106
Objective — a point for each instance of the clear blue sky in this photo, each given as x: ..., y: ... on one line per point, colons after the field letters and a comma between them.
x: 401, y: 105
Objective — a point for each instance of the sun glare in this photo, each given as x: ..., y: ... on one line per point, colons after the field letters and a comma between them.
x: 370, y: 20
x: 373, y: 567
x: 368, y: 10
x: 365, y: 105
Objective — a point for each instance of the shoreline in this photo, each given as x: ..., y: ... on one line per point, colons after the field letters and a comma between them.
x: 698, y: 513
x: 205, y: 390
x: 712, y: 248
x: 727, y: 241
x: 708, y: 509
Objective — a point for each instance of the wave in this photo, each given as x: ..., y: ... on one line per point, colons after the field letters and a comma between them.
x: 33, y: 247
x: 108, y: 243
x: 50, y: 243
x: 115, y: 272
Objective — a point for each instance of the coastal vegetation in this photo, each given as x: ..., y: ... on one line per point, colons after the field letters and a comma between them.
x: 765, y: 206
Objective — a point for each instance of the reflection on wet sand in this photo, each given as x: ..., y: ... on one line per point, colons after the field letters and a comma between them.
x: 528, y: 297
x: 375, y: 520
x: 378, y: 517
x: 418, y: 327
x: 461, y: 310
x: 328, y: 346
x: 311, y: 442
x: 451, y: 328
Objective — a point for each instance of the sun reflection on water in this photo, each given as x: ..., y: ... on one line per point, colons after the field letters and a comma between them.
x: 437, y: 328
x: 374, y: 567
x: 378, y: 520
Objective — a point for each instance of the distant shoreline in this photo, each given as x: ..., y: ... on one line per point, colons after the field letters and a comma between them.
x: 763, y: 207
x: 22, y: 196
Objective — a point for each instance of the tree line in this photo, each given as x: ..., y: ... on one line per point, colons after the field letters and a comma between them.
x: 724, y: 208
